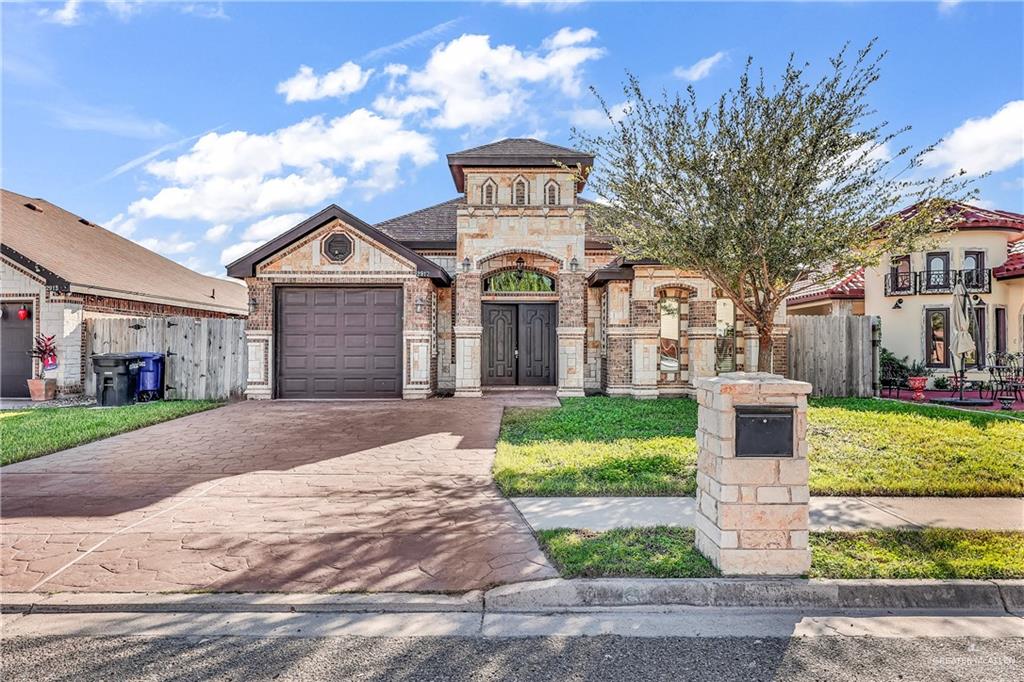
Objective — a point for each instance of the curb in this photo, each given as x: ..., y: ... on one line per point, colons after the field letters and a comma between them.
x: 144, y: 602
x: 780, y: 593
x: 559, y: 595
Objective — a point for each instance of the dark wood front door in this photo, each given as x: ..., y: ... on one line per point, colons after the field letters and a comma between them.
x: 518, y: 344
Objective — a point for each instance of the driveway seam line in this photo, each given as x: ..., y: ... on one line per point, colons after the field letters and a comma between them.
x: 119, y: 532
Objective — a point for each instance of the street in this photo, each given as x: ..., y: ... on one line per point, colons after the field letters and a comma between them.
x: 532, y: 659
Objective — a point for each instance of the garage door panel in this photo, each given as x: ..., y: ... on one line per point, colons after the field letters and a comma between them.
x: 340, y: 343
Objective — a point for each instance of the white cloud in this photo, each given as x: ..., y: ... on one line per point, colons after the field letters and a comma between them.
x: 469, y: 83
x: 597, y: 118
x: 238, y: 175
x: 122, y: 124
x: 306, y: 86
x: 980, y: 145
x: 217, y: 232
x: 122, y: 224
x: 236, y: 251
x: 699, y: 70
x: 173, y: 244
x: 68, y: 15
x: 947, y: 6
x: 549, y: 5
x: 205, y: 10
x: 149, y: 156
x: 271, y: 226
x: 123, y: 9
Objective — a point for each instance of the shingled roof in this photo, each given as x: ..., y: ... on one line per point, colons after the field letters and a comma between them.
x: 75, y: 255
x: 523, y: 152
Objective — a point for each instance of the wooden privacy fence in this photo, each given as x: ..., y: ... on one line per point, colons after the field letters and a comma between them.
x: 836, y: 354
x: 204, y: 358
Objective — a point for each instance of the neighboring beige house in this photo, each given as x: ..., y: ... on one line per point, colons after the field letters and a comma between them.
x: 912, y: 293
x: 838, y: 295
x: 58, y: 270
x: 507, y: 284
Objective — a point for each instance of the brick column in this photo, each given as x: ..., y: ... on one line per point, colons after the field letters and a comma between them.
x: 700, y: 337
x: 259, y: 337
x: 468, y: 331
x: 752, y: 512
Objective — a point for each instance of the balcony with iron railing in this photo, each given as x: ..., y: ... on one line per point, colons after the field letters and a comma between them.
x: 976, y: 281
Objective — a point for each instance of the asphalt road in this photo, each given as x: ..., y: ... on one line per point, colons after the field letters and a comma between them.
x: 834, y: 659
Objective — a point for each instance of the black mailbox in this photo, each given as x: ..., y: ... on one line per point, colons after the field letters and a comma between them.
x: 764, y: 431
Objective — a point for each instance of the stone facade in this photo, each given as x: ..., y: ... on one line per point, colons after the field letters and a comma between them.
x: 752, y: 512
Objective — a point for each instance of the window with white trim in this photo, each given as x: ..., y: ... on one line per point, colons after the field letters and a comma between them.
x: 520, y: 192
x: 551, y: 193
x: 488, y: 192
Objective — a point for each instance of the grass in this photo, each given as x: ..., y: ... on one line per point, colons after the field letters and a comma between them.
x: 619, y: 446
x: 662, y: 552
x: 599, y: 446
x: 25, y: 434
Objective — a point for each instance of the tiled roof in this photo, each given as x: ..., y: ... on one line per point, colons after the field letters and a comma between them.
x: 82, y: 254
x: 839, y: 286
x: 435, y: 226
x: 977, y: 217
x: 1014, y: 265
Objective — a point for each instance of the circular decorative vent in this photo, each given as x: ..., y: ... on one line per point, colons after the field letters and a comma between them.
x: 338, y: 247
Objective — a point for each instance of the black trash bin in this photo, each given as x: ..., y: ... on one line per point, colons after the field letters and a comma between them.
x: 117, y: 378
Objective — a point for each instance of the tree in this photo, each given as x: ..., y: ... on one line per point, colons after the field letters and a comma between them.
x: 768, y: 187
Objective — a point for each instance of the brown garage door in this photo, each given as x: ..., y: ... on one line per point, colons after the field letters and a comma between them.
x: 339, y: 343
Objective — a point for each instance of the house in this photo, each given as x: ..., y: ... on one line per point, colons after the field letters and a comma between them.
x: 912, y: 293
x: 838, y: 294
x: 58, y: 270
x: 507, y: 284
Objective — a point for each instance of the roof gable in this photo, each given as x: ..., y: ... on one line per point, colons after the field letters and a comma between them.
x: 246, y: 265
x: 524, y: 152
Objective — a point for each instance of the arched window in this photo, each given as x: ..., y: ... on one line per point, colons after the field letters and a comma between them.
x: 520, y: 192
x: 551, y: 193
x: 488, y: 192
x: 519, y: 281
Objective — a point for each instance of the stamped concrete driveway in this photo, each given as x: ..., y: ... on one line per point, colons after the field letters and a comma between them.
x: 281, y: 496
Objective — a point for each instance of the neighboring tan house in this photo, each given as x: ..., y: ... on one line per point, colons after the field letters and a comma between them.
x: 912, y: 293
x: 838, y: 295
x: 58, y: 270
x: 505, y: 285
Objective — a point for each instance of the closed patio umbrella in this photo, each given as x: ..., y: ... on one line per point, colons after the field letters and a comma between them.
x: 962, y: 342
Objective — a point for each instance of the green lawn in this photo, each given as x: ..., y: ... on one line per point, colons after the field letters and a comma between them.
x: 25, y: 434
x: 620, y: 446
x: 662, y: 552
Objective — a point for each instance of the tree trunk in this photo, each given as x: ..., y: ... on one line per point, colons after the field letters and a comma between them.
x: 764, y: 349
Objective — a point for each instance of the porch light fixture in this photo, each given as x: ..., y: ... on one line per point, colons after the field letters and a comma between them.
x: 898, y: 305
x: 465, y: 264
x: 520, y: 264
x: 420, y: 304
x: 574, y: 264
x: 253, y: 303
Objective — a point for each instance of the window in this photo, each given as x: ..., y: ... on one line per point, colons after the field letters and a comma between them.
x: 1000, y: 330
x: 551, y: 193
x: 900, y: 277
x: 977, y: 358
x: 519, y: 281
x: 520, y: 192
x: 668, y: 342
x: 974, y: 269
x: 338, y: 248
x: 937, y: 271
x: 488, y: 192
x: 937, y: 326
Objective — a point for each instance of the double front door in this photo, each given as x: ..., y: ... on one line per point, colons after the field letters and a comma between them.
x: 519, y: 344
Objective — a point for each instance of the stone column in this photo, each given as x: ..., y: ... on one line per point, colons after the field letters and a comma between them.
x: 571, y: 332
x: 752, y: 511
x: 468, y: 331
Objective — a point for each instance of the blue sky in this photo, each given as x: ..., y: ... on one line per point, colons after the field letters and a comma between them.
x: 202, y: 129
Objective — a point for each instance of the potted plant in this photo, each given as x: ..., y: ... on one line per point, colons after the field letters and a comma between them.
x: 45, y: 350
x: 918, y: 379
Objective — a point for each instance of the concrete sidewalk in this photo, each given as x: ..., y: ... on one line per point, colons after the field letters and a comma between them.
x: 827, y: 513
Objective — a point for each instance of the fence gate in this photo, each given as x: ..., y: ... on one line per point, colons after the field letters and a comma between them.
x: 836, y: 354
x: 204, y: 357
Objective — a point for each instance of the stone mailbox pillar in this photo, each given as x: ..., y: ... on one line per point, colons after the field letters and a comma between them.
x: 752, y: 490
